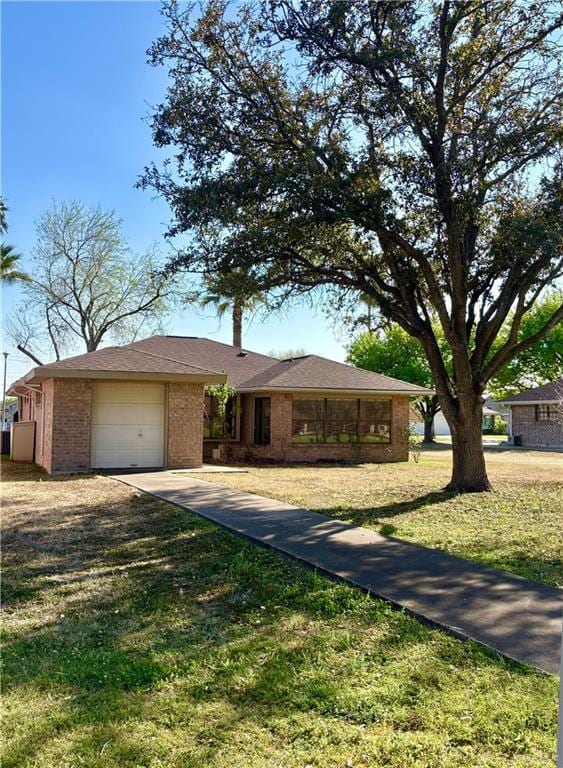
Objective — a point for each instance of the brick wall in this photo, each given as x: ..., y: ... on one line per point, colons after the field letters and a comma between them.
x: 185, y: 425
x: 42, y: 410
x: 282, y: 449
x: 536, y: 432
x: 68, y: 415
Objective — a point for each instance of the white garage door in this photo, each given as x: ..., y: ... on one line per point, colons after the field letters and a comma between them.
x: 128, y: 425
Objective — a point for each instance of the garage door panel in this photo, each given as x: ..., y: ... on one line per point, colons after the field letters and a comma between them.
x: 120, y: 413
x: 128, y: 425
x: 140, y: 392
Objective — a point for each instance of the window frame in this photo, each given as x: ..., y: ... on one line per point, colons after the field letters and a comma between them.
x: 542, y: 412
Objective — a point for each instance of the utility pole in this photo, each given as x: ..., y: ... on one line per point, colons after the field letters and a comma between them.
x: 4, y: 391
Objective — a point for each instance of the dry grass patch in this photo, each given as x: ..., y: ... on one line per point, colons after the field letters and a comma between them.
x: 136, y: 634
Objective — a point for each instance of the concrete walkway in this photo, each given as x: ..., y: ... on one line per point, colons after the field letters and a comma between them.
x: 514, y: 616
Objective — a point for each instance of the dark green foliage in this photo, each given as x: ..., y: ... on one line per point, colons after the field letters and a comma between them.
x: 389, y: 149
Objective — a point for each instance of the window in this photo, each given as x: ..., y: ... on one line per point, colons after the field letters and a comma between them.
x: 308, y: 421
x: 262, y: 408
x: 345, y: 420
x: 375, y: 421
x: 542, y: 413
x: 342, y: 421
x: 212, y: 423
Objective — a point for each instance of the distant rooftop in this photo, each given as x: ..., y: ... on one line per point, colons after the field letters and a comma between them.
x: 547, y: 393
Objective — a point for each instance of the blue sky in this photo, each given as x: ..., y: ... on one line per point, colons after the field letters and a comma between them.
x: 75, y: 87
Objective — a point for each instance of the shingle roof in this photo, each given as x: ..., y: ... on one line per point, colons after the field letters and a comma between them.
x: 312, y: 372
x: 162, y: 356
x: 118, y: 362
x: 239, y: 365
x: 551, y: 392
x: 128, y: 359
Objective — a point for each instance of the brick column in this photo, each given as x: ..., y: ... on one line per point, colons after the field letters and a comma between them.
x: 68, y: 417
x: 185, y: 425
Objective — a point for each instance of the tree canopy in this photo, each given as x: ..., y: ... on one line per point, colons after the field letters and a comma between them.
x: 393, y: 352
x: 404, y: 150
x: 539, y: 364
x: 85, y: 285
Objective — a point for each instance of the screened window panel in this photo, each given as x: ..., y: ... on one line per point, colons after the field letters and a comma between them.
x: 375, y: 410
x: 308, y: 431
x: 342, y: 410
x: 310, y: 409
x: 342, y: 431
x: 308, y: 420
x: 375, y: 421
x: 375, y: 432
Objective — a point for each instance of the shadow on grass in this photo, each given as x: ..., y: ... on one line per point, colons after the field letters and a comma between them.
x: 371, y: 515
x: 129, y: 600
x: 484, y: 549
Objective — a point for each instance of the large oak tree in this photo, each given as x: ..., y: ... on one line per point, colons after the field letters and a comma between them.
x: 406, y: 150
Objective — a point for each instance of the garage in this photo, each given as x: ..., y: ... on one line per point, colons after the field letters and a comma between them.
x: 128, y: 425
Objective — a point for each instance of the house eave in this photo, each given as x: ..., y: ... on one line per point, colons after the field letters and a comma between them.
x: 38, y: 375
x: 334, y: 391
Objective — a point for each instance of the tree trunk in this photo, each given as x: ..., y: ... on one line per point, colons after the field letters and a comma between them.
x: 237, y: 325
x: 469, y: 473
x: 429, y: 430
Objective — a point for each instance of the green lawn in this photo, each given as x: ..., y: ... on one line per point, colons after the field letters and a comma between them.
x: 517, y: 527
x: 137, y: 635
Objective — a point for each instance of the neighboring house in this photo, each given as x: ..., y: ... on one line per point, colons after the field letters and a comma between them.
x: 441, y: 427
x: 144, y: 405
x: 536, y: 415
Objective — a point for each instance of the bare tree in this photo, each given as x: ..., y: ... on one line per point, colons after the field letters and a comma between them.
x: 86, y: 285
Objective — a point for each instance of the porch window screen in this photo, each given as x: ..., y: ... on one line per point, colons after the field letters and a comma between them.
x: 342, y: 421
x: 262, y: 408
x: 333, y: 420
x: 375, y: 421
x: 308, y: 421
x: 212, y: 423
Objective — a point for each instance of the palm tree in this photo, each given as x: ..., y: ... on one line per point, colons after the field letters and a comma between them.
x: 8, y: 257
x: 232, y: 291
x: 8, y: 265
x: 3, y: 212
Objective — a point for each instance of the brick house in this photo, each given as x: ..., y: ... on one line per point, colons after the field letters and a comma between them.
x: 536, y: 415
x: 146, y: 405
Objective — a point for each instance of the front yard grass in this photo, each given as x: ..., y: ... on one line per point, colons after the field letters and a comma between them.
x: 136, y: 634
x: 518, y: 527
